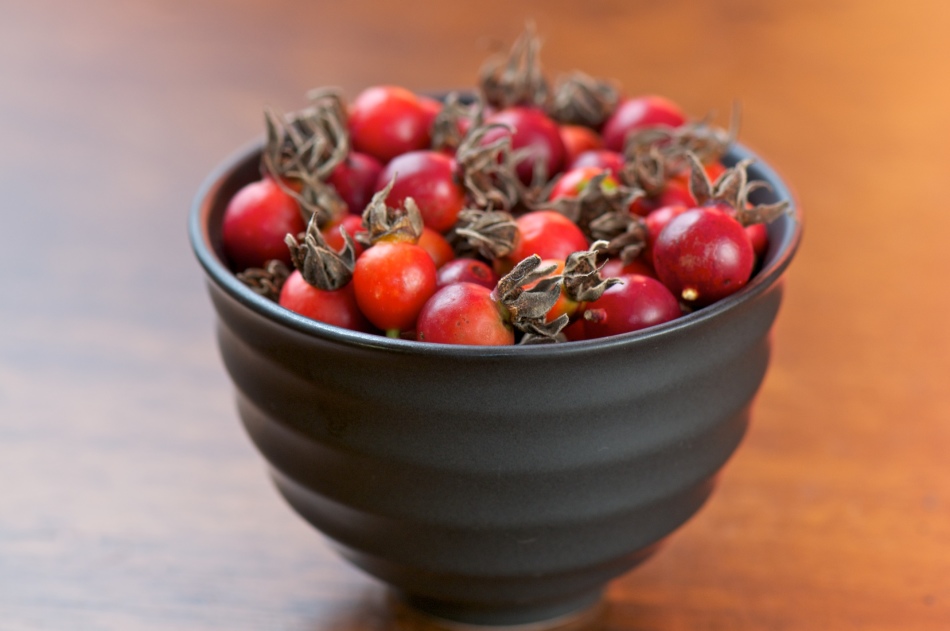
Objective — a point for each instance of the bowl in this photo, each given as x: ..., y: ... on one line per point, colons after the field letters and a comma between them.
x: 493, y: 485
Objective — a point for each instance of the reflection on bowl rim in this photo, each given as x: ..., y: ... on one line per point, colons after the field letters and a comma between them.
x: 776, y: 262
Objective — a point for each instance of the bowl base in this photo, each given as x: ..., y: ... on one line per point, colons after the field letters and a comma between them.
x: 577, y: 614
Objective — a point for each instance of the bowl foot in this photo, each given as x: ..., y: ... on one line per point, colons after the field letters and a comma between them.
x: 576, y: 614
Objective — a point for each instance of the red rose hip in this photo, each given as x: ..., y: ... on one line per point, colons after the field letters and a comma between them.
x: 703, y: 255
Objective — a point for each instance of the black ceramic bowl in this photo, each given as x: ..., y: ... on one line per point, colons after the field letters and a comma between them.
x: 493, y: 485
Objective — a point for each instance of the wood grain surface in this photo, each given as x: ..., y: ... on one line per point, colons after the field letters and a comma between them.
x: 131, y: 499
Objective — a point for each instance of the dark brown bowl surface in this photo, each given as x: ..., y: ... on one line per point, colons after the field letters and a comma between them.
x: 496, y: 485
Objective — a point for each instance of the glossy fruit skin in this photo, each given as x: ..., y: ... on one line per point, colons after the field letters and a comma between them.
x: 575, y: 180
x: 604, y: 158
x: 386, y: 121
x: 703, y: 255
x: 337, y: 307
x: 635, y: 303
x: 535, y: 132
x: 547, y: 233
x: 655, y: 222
x: 636, y: 113
x: 437, y: 246
x: 674, y: 193
x: 255, y: 223
x: 614, y: 268
x: 464, y: 313
x: 392, y: 281
x: 759, y: 238
x: 334, y: 238
x: 578, y: 139
x: 431, y: 179
x: 466, y: 271
x: 355, y: 180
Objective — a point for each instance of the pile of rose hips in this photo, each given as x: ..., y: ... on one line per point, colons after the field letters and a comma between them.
x: 527, y: 213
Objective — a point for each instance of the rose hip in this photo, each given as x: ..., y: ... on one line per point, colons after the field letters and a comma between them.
x: 703, y: 255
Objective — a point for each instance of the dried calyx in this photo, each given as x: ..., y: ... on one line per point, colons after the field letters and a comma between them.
x: 318, y: 264
x: 528, y: 306
x: 489, y: 234
x: 582, y: 281
x: 302, y: 149
x: 601, y: 211
x: 388, y: 223
x: 580, y: 99
x: 517, y: 79
x: 487, y: 169
x: 733, y: 188
x: 266, y: 281
x: 654, y: 154
x: 455, y: 114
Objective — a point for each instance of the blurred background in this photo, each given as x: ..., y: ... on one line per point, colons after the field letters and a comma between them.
x: 129, y: 496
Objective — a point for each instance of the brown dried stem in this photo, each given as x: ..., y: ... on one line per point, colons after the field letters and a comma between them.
x: 517, y: 79
x: 580, y: 99
x: 319, y: 265
x: 388, y: 223
x: 528, y: 307
x: 266, y: 281
x: 489, y: 234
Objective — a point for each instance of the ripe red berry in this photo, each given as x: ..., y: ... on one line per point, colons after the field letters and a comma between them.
x: 464, y: 313
x: 536, y: 134
x: 334, y: 237
x: 337, y: 307
x: 547, y: 233
x: 430, y: 178
x: 255, y: 223
x: 437, y: 246
x: 604, y: 158
x: 759, y: 237
x: 703, y: 255
x: 392, y: 281
x: 466, y: 271
x: 578, y: 139
x: 635, y: 303
x: 386, y: 121
x: 575, y: 180
x: 637, y: 113
x: 355, y: 180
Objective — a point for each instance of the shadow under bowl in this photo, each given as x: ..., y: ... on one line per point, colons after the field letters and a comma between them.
x: 493, y: 485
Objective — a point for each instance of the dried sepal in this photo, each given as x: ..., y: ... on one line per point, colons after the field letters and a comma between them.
x: 626, y: 236
x: 528, y: 307
x: 726, y: 189
x: 535, y: 194
x: 708, y: 141
x: 645, y: 168
x: 266, y: 281
x: 448, y: 123
x: 302, y: 149
x: 582, y: 281
x: 318, y: 263
x: 489, y: 234
x: 658, y: 153
x: 388, y: 223
x: 580, y: 99
x: 544, y: 332
x: 517, y: 79
x: 597, y: 201
x: 487, y: 169
x: 749, y: 213
x: 733, y: 188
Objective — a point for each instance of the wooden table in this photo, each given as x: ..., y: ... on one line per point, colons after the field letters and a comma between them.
x: 131, y: 499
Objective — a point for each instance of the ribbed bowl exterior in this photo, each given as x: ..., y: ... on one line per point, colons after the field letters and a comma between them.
x: 493, y: 485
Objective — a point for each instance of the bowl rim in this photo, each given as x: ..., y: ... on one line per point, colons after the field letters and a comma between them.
x: 219, y: 273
